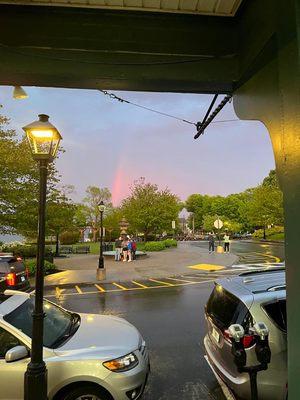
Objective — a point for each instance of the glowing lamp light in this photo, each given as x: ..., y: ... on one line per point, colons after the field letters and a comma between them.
x: 43, y: 138
x: 101, y: 206
x: 19, y: 93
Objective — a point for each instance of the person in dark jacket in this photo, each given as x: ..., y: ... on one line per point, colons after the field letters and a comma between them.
x: 211, y: 243
x: 133, y: 249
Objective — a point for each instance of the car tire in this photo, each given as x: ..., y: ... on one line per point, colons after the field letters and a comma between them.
x: 85, y: 392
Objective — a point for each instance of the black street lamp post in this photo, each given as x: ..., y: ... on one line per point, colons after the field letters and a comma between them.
x: 44, y: 140
x: 101, y: 269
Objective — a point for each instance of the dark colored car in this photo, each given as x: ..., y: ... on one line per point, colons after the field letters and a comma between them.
x: 13, y: 273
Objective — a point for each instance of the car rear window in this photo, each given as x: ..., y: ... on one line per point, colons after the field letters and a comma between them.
x: 277, y: 312
x: 226, y: 309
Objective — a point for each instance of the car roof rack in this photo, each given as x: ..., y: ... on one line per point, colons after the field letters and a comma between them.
x: 260, y: 271
x: 275, y: 288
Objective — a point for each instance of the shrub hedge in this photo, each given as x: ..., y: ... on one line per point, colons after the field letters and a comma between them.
x: 31, y: 265
x: 170, y: 243
x: 25, y: 251
x: 154, y: 246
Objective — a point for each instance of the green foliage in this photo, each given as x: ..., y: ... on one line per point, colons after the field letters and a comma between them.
x: 94, y: 196
x: 265, y: 206
x: 31, y: 265
x: 148, y: 209
x: 111, y: 222
x: 154, y: 246
x: 69, y: 237
x: 25, y: 251
x: 274, y: 233
x: 170, y: 243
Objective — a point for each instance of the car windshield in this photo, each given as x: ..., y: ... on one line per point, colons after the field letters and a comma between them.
x: 59, y: 324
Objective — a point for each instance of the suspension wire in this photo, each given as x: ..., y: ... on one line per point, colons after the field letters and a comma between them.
x: 197, y: 124
x: 113, y: 96
x: 202, y: 126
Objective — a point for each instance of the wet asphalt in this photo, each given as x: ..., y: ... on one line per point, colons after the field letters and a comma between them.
x: 172, y: 322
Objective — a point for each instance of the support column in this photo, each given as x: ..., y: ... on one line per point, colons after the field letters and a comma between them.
x: 273, y: 97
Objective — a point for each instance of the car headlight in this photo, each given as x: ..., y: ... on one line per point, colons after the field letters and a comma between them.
x: 122, y: 364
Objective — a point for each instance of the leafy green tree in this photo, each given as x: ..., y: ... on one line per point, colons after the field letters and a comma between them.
x: 19, y: 184
x: 112, y: 220
x: 265, y: 207
x: 94, y: 196
x: 150, y: 210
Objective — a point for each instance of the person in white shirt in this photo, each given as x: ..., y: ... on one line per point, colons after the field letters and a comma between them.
x: 226, y: 243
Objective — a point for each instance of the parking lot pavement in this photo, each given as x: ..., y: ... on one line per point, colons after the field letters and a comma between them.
x: 149, y: 284
x: 171, y: 262
x: 171, y: 319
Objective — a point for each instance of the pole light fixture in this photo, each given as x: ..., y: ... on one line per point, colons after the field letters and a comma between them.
x: 44, y: 140
x: 101, y: 269
x: 19, y: 93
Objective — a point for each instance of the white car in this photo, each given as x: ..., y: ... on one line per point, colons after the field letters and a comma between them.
x: 90, y: 357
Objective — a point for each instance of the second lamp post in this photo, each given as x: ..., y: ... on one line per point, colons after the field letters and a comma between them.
x: 101, y: 268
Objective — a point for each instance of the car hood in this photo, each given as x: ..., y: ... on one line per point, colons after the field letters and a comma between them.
x: 101, y: 336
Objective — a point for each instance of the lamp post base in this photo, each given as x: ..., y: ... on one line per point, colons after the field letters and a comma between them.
x: 101, y: 274
x: 35, y: 382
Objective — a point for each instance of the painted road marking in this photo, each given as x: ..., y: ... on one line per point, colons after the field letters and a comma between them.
x: 99, y: 288
x: 161, y: 282
x: 164, y: 285
x: 179, y: 280
x: 78, y: 289
x: 207, y: 267
x: 58, y: 291
x: 120, y: 286
x: 140, y: 285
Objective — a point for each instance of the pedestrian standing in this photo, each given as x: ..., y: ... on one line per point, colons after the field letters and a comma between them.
x: 211, y: 243
x: 226, y: 242
x: 125, y: 249
x: 133, y: 249
x: 129, y: 246
x: 118, y: 249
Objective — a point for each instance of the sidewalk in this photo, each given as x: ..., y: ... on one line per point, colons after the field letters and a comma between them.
x: 171, y: 262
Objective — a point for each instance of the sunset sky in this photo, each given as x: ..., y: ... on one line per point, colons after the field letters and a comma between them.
x: 111, y: 144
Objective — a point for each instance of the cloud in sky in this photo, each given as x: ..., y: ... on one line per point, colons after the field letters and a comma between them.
x: 111, y: 144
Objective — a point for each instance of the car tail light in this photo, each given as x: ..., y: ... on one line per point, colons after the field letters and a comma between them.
x: 11, y: 279
x: 248, y: 341
x: 226, y: 336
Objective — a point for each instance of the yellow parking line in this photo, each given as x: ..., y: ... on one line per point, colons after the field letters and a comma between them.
x: 179, y: 280
x: 163, y: 283
x: 276, y: 259
x: 119, y: 286
x: 58, y: 291
x: 139, y: 284
x: 207, y: 267
x: 99, y: 288
x: 78, y: 289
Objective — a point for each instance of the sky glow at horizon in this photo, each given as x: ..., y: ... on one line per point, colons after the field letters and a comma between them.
x: 111, y: 144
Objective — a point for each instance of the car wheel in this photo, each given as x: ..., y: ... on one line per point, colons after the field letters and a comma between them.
x: 86, y: 392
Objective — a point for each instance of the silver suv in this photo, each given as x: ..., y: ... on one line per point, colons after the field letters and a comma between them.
x: 257, y: 296
x: 88, y: 356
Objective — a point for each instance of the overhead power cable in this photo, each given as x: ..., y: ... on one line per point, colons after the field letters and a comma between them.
x: 120, y: 99
x: 113, y: 96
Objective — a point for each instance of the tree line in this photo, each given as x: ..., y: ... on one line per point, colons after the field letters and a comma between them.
x: 148, y: 209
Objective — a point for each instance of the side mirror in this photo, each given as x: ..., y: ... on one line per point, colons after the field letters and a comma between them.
x: 16, y: 353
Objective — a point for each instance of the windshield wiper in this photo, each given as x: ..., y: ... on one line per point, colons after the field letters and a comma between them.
x: 74, y: 325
